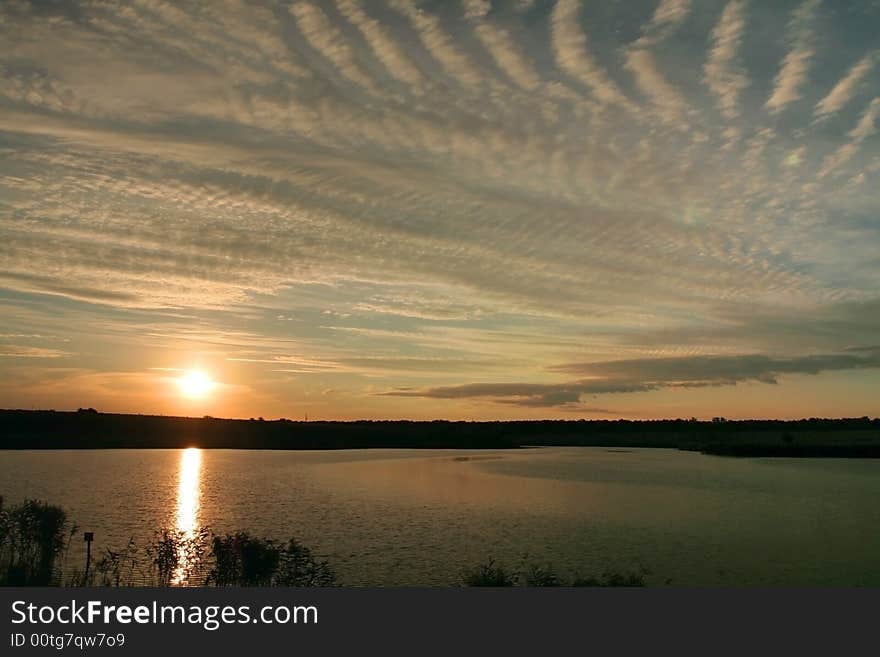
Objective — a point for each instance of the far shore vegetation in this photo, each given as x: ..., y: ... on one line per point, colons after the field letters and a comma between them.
x: 35, y: 541
x: 88, y: 428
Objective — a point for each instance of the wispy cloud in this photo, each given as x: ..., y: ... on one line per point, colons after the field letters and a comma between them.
x: 328, y: 40
x: 20, y: 351
x: 669, y: 102
x: 503, y: 49
x: 643, y: 375
x: 299, y: 364
x: 795, y: 66
x: 439, y: 43
x: 573, y: 57
x: 667, y: 17
x: 844, y: 90
x: 476, y: 8
x: 640, y: 61
x: 724, y: 78
x: 381, y: 42
x: 866, y: 127
x: 720, y: 370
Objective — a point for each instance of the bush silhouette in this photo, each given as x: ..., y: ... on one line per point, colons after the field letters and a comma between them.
x: 297, y: 567
x: 243, y: 560
x: 535, y: 575
x: 614, y: 579
x: 32, y: 537
x: 489, y: 574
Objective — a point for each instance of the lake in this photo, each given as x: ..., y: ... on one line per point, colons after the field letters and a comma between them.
x: 419, y: 517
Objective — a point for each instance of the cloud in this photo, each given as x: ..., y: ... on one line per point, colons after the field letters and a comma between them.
x: 501, y: 46
x: 328, y: 40
x: 300, y: 364
x: 396, y: 364
x: 844, y: 90
x: 643, y: 375
x: 772, y: 329
x: 438, y: 43
x: 667, y: 17
x: 523, y: 394
x: 670, y: 12
x: 381, y: 42
x: 476, y: 8
x: 720, y: 370
x: 796, y: 64
x: 19, y: 351
x: 866, y: 127
x: 303, y: 181
x: 867, y: 124
x: 669, y: 102
x: 724, y: 79
x: 640, y: 61
x: 574, y: 58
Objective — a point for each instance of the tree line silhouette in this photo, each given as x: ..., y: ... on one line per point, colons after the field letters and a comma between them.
x: 90, y: 429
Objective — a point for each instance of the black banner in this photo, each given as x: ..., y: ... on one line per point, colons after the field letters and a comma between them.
x: 141, y: 621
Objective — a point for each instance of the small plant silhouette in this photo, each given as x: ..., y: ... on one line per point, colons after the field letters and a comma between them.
x: 489, y: 574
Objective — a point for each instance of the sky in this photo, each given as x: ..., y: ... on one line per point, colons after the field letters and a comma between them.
x: 441, y: 209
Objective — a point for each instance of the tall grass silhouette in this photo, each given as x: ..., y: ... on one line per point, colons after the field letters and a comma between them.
x: 33, y: 535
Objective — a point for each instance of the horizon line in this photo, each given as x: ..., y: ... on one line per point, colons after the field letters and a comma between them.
x: 714, y: 420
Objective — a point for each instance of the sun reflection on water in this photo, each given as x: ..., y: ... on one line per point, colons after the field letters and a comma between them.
x: 188, y: 500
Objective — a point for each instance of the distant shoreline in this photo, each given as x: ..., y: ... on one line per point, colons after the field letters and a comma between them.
x: 89, y: 429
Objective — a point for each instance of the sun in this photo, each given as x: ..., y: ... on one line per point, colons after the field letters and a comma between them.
x: 195, y: 384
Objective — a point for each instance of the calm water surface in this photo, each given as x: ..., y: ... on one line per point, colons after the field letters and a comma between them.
x: 400, y: 517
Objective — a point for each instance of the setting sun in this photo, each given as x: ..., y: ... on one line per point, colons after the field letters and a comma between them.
x: 195, y: 384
